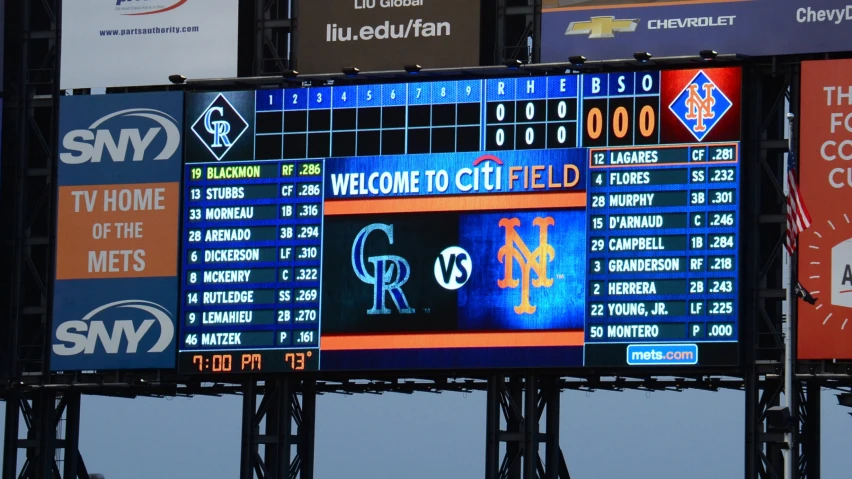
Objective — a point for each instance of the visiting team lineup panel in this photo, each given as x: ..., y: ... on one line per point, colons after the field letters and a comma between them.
x: 554, y: 221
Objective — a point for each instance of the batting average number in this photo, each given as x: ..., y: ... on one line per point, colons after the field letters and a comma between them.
x: 621, y: 122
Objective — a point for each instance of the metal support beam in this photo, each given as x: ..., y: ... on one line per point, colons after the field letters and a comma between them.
x: 281, y: 409
x: 808, y: 428
x: 517, y: 23
x: 523, y: 401
x: 42, y: 413
x: 28, y: 191
x: 767, y: 88
x: 273, y: 34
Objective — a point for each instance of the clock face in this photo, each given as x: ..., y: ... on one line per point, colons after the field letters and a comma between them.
x: 825, y: 270
x: 837, y: 275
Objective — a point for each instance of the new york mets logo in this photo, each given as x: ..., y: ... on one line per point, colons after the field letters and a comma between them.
x: 699, y: 108
x: 529, y: 262
x: 700, y: 105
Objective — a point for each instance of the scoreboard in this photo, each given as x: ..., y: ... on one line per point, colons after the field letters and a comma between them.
x: 560, y: 221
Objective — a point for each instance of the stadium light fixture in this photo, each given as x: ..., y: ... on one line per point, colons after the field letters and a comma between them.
x: 642, y: 57
x: 289, y: 73
x: 413, y: 68
x: 513, y: 64
x: 577, y: 60
x: 350, y: 71
x: 177, y: 79
x: 708, y: 55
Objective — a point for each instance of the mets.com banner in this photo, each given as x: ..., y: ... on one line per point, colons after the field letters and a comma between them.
x: 113, y: 43
x: 615, y: 29
x: 115, y: 295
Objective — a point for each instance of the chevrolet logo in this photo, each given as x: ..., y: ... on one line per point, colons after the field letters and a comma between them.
x: 601, y: 27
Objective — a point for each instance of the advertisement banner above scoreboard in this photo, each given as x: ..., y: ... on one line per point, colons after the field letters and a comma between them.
x: 825, y: 249
x: 115, y: 300
x: 377, y: 35
x: 119, y: 43
x: 615, y: 29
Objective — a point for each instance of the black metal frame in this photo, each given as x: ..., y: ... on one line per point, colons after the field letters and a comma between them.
x: 517, y: 21
x: 768, y: 85
x: 281, y: 408
x: 44, y: 414
x: 523, y: 401
x: 30, y: 138
x: 272, y: 31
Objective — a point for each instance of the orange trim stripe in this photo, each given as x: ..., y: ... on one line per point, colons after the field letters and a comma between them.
x: 451, y: 340
x: 572, y: 199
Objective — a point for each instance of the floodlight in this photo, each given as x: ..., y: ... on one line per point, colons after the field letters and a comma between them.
x: 513, y: 64
x: 577, y: 59
x: 778, y: 419
x: 350, y: 71
x: 177, y: 79
x: 708, y: 55
x: 413, y: 68
x: 642, y: 56
x: 289, y: 74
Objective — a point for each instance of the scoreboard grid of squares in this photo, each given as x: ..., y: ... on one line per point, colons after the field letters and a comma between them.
x: 447, y: 117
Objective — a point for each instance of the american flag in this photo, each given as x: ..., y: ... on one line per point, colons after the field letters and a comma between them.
x: 798, y: 219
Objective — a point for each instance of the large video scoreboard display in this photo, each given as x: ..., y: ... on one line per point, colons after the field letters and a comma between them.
x: 535, y: 221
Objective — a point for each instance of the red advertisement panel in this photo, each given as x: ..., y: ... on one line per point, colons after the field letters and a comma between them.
x: 825, y: 249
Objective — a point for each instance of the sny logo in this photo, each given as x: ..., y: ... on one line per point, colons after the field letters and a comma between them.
x: 84, y: 334
x: 89, y: 145
x: 515, y: 250
x: 219, y: 127
x: 700, y: 105
x: 389, y: 272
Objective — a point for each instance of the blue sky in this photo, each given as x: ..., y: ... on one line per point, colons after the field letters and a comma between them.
x: 605, y: 435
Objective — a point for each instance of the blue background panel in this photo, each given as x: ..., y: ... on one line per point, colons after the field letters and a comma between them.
x: 151, y: 300
x: 484, y: 305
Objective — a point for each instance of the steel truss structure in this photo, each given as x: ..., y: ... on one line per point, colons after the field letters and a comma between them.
x: 765, y: 92
x: 48, y: 417
x: 523, y: 401
x: 279, y: 412
x: 272, y: 31
x: 285, y: 402
x: 29, y: 151
x: 518, y: 31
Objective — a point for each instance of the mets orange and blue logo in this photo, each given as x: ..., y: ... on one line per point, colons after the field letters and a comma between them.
x: 529, y: 261
x: 700, y: 105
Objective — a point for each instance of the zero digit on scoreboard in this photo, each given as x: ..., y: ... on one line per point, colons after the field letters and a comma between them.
x: 618, y: 122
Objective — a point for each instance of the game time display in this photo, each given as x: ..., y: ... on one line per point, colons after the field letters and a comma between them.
x: 558, y: 221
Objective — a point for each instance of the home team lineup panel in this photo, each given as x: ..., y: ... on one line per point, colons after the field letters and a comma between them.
x: 253, y: 245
